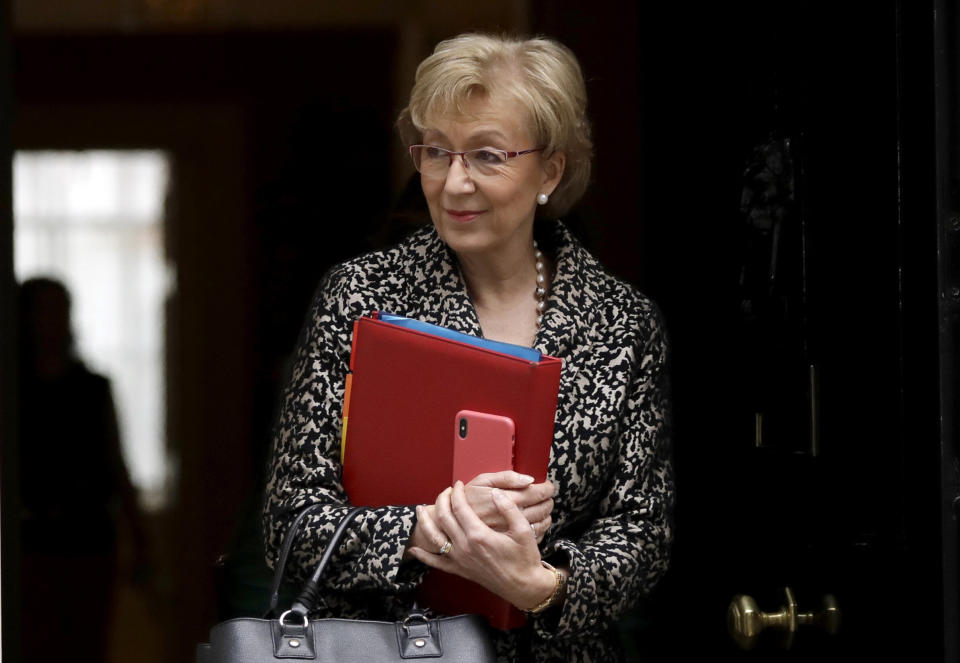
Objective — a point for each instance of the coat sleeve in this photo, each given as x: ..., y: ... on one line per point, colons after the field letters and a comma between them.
x: 625, y: 549
x: 305, y: 464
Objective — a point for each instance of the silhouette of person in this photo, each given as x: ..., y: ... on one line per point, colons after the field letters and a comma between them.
x: 74, y: 485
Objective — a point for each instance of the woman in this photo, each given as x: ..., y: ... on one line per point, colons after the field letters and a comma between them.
x: 74, y: 485
x: 498, y: 131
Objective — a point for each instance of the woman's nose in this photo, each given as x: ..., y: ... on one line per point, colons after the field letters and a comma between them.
x: 458, y: 176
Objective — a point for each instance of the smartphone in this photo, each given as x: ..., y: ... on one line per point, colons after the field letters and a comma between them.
x: 482, y: 442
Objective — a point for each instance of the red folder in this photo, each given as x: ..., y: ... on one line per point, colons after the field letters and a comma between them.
x: 405, y: 390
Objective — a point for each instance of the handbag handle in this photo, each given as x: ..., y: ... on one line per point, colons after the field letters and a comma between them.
x: 308, y: 596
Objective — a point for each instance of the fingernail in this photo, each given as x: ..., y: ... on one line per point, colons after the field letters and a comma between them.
x: 459, y: 484
x: 527, y: 478
x: 419, y: 509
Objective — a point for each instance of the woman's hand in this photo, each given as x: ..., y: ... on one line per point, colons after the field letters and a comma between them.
x: 507, y: 563
x: 535, y: 500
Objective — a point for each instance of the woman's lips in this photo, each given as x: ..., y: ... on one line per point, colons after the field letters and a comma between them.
x: 464, y: 215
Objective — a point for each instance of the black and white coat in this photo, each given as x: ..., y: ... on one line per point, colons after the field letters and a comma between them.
x: 610, y: 459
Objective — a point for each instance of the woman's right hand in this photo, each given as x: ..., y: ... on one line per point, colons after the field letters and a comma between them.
x: 506, y: 563
x: 535, y: 501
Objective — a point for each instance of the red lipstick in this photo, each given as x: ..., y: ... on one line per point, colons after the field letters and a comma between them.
x: 463, y: 215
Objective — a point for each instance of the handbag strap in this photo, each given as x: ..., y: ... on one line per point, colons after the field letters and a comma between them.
x: 307, y: 599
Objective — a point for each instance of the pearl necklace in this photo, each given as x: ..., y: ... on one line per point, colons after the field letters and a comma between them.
x: 541, y: 291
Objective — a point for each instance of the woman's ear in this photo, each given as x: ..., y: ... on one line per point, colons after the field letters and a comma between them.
x: 553, y: 171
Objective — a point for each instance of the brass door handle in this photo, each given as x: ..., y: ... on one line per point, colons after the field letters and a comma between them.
x: 745, y: 622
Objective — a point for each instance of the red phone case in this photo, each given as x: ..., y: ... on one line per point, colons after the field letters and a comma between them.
x: 486, y: 447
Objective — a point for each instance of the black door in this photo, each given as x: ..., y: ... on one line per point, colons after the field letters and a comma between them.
x: 793, y: 230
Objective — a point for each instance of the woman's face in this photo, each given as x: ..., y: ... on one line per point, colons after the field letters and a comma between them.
x: 484, y: 215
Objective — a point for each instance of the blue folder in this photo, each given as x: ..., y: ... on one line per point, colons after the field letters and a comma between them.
x: 506, y: 348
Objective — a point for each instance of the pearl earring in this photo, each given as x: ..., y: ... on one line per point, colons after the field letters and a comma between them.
x: 542, y: 198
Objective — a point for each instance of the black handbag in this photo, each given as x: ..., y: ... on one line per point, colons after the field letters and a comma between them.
x: 293, y: 636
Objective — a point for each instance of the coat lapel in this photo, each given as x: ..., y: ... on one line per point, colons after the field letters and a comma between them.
x: 439, y: 295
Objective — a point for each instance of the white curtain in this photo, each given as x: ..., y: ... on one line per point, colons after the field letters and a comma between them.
x: 94, y: 220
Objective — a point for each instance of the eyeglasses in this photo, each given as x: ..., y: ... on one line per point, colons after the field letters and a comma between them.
x: 434, y: 162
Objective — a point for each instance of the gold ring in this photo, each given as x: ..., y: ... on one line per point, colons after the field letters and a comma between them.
x: 445, y: 548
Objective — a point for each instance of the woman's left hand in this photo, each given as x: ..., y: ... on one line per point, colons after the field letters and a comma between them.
x: 506, y: 563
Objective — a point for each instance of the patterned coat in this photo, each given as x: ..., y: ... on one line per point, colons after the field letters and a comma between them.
x: 610, y: 459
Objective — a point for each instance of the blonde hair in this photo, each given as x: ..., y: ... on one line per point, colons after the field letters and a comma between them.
x: 542, y: 74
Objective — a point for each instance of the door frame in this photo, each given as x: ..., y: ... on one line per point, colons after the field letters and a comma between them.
x: 946, y: 72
